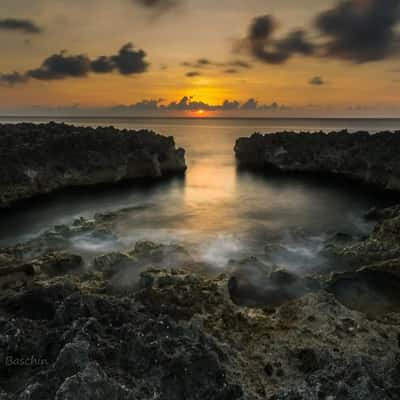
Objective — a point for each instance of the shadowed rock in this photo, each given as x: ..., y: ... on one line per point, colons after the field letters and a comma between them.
x: 370, y: 159
x: 38, y: 159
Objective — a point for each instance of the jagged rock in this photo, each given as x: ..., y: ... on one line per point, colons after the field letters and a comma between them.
x: 59, y: 263
x: 179, y: 336
x: 381, y: 245
x: 15, y: 276
x: 255, y: 284
x: 38, y: 159
x: 92, y: 384
x: 370, y: 159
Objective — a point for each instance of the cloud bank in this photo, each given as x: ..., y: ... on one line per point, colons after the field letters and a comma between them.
x: 187, y: 103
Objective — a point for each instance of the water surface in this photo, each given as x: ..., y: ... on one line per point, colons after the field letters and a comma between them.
x: 217, y: 211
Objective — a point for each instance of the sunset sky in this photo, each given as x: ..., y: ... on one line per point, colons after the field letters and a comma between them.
x: 200, y: 58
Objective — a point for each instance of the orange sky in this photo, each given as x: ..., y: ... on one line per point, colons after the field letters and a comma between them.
x: 171, y: 37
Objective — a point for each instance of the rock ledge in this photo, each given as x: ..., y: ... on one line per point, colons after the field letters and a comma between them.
x: 39, y: 159
x: 370, y: 159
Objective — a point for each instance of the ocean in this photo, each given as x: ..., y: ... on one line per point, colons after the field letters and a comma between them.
x: 217, y: 211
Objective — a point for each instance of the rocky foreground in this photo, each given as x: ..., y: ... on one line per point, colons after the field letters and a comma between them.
x: 38, y: 159
x: 370, y: 159
x: 142, y: 324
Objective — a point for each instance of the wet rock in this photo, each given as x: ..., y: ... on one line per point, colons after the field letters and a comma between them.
x: 15, y: 276
x: 272, y: 289
x: 41, y: 158
x: 36, y: 303
x: 371, y: 159
x: 381, y: 245
x: 308, y: 360
x: 113, y: 263
x: 73, y: 358
x: 60, y: 263
x: 372, y: 291
x: 94, y: 384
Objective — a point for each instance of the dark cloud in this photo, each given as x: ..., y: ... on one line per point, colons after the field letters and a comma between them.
x: 187, y: 104
x: 360, y: 30
x: 265, y: 47
x: 158, y: 5
x: 127, y: 61
x: 316, y: 81
x: 240, y: 64
x: 102, y: 65
x: 130, y: 61
x: 13, y: 78
x: 355, y: 30
x: 192, y: 74
x: 231, y: 71
x: 61, y: 66
x: 141, y: 106
x: 250, y: 104
x: 19, y: 25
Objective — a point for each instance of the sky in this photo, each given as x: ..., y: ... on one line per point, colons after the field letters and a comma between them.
x: 200, y: 58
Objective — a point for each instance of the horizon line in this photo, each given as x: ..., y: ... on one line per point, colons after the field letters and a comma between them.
x: 194, y: 118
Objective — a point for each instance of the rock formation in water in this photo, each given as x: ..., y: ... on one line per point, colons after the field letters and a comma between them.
x: 38, y: 159
x: 371, y: 159
x: 117, y: 328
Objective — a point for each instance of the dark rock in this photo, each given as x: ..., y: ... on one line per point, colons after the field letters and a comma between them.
x: 372, y: 290
x: 38, y: 159
x: 271, y: 289
x: 370, y: 159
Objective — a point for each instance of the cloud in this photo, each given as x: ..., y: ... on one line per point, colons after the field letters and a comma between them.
x: 240, y: 64
x: 360, y: 30
x: 187, y: 103
x: 141, y: 106
x: 158, y: 5
x: 231, y: 71
x: 20, y: 25
x: 127, y: 61
x: 130, y: 61
x: 61, y: 66
x: 316, y: 81
x: 102, y: 65
x: 229, y: 67
x: 13, y: 78
x: 192, y: 74
x: 262, y: 44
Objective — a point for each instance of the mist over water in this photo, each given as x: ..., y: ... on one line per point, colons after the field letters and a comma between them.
x: 216, y: 211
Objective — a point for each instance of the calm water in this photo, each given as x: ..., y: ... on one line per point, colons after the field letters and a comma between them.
x: 217, y: 211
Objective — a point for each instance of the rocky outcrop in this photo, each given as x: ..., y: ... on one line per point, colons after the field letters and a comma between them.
x: 38, y: 159
x: 145, y: 323
x: 179, y: 336
x: 371, y: 159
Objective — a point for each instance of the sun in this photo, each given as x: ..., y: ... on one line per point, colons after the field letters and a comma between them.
x: 200, y: 112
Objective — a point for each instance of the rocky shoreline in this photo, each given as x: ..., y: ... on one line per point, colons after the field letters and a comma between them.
x: 152, y: 322
x: 41, y: 158
x: 369, y: 159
